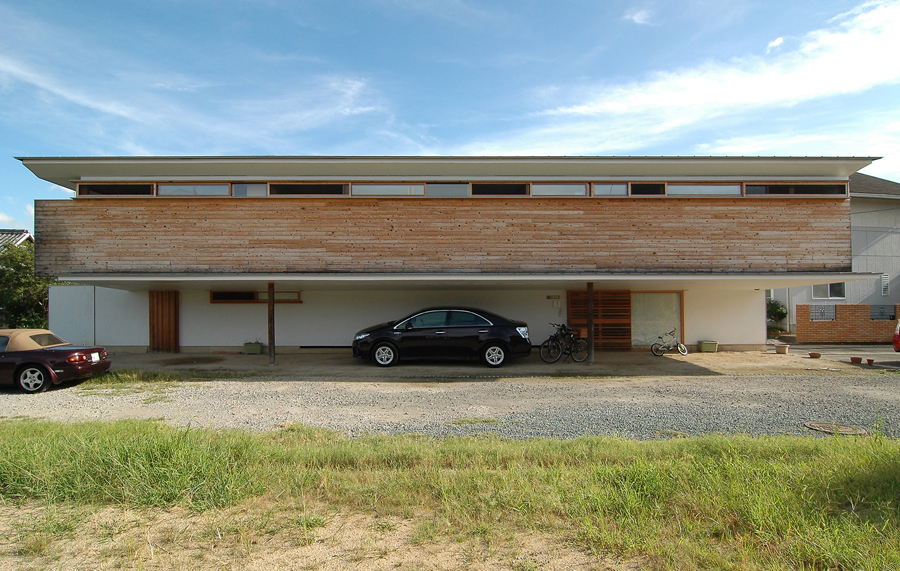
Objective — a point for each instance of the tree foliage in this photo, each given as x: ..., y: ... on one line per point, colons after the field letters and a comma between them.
x: 775, y: 311
x: 23, y: 296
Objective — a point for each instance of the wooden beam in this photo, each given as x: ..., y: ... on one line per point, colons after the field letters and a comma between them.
x: 590, y: 322
x: 271, y: 298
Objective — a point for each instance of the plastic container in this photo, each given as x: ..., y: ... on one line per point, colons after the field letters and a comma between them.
x: 707, y: 346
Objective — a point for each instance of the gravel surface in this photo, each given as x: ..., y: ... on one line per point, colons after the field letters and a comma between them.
x: 519, y: 408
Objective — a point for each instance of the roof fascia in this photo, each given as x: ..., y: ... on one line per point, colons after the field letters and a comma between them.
x: 66, y: 171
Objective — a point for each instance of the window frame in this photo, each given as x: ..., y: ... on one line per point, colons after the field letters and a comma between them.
x: 227, y: 186
x: 526, y: 194
x: 256, y: 296
x: 232, y: 185
x: 792, y: 184
x: 843, y: 296
x: 344, y: 184
x: 739, y: 185
x: 80, y: 184
x: 612, y: 183
x: 647, y: 183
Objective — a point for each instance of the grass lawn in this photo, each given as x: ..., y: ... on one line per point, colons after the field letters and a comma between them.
x: 697, y: 503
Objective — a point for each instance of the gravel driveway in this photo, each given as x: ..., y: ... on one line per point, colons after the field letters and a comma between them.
x: 633, y: 407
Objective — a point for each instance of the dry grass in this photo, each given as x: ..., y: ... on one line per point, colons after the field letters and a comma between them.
x: 141, y: 495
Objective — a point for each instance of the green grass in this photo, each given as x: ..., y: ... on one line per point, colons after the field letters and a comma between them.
x: 126, y: 378
x: 688, y: 503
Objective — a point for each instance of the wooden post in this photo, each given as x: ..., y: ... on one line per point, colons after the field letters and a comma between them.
x: 271, y: 323
x: 590, y: 322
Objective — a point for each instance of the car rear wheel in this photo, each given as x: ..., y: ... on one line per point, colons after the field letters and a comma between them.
x: 493, y: 355
x: 385, y: 355
x: 32, y: 379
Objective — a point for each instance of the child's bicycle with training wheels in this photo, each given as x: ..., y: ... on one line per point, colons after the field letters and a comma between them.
x: 667, y: 342
x: 564, y: 342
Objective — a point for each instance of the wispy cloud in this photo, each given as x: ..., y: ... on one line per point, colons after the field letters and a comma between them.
x: 774, y: 44
x: 826, y: 63
x: 639, y: 16
x: 5, y: 219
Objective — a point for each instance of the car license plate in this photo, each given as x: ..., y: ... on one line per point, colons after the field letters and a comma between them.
x: 95, y: 357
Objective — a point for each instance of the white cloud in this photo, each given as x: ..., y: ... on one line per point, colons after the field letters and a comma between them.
x: 810, y: 72
x: 873, y: 138
x: 638, y: 16
x: 774, y: 44
x: 826, y: 63
x: 5, y: 219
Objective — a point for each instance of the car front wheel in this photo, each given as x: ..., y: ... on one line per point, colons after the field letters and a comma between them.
x: 32, y: 379
x: 385, y: 355
x: 493, y: 355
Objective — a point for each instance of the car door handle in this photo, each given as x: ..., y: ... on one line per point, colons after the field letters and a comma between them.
x: 439, y: 332
x: 482, y: 330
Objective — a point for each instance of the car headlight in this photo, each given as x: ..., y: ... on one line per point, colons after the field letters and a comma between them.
x: 360, y: 336
x: 523, y: 331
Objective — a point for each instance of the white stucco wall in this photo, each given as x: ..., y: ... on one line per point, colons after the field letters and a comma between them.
x: 88, y: 315
x: 115, y: 318
x: 731, y: 317
x: 122, y: 318
x: 72, y: 313
x: 330, y: 318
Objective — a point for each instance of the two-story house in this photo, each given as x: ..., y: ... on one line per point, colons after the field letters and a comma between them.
x: 206, y: 253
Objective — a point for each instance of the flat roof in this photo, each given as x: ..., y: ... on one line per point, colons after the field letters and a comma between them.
x: 67, y: 171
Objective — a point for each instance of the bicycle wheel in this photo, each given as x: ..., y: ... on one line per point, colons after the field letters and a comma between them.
x: 550, y: 351
x: 682, y: 349
x: 658, y: 349
x: 579, y: 350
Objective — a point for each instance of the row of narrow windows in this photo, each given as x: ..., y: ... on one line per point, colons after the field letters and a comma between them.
x: 450, y: 190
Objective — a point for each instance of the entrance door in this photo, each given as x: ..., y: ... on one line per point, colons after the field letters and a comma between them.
x: 164, y: 321
x: 612, y: 317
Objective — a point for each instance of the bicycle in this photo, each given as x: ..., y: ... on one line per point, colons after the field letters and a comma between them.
x: 563, y: 342
x: 659, y: 349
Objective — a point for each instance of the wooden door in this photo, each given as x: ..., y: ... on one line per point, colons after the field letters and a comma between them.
x: 164, y: 321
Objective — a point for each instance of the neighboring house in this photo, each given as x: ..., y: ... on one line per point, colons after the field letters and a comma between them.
x: 10, y: 237
x: 856, y: 311
x: 206, y: 253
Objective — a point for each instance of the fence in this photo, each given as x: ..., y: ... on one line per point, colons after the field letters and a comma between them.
x: 845, y: 323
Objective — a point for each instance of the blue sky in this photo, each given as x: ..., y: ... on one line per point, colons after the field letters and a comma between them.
x: 454, y: 77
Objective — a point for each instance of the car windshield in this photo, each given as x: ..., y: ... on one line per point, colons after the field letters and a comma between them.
x: 47, y: 339
x: 4, y: 341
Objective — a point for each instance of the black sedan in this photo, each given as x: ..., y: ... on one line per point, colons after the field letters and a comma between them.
x: 444, y: 333
x: 35, y: 358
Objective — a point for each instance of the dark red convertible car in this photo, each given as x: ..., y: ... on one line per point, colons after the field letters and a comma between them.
x: 33, y: 358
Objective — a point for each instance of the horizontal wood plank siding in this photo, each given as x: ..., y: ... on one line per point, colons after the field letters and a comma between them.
x: 409, y: 235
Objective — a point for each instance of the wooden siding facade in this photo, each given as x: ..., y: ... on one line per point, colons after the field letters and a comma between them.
x: 426, y: 235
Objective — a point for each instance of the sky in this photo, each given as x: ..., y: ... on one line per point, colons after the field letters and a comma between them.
x: 443, y: 77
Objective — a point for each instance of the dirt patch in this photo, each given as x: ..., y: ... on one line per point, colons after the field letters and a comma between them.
x: 194, y: 360
x: 265, y: 536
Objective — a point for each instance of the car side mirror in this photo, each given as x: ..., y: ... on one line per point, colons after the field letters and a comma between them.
x: 409, y: 325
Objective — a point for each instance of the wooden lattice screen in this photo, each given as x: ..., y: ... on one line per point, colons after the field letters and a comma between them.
x: 164, y: 321
x: 612, y: 317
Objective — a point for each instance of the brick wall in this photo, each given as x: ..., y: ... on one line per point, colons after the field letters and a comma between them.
x: 852, y: 324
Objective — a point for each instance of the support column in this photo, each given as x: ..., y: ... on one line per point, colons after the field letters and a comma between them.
x: 271, y: 299
x: 590, y: 322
